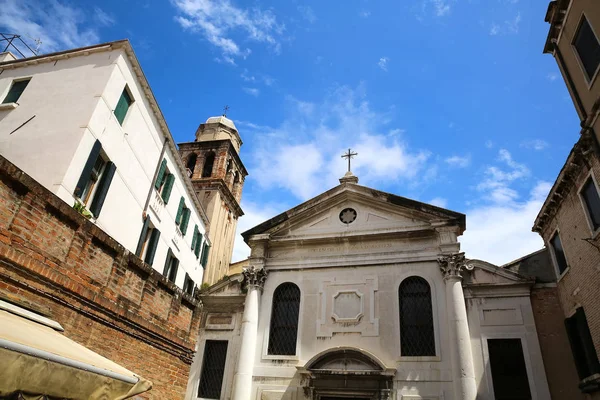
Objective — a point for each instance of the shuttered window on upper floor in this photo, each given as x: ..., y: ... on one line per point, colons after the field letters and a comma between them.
x: 587, y: 45
x: 123, y: 105
x: 15, y: 91
x: 148, y: 241
x: 164, y: 181
x: 171, y: 266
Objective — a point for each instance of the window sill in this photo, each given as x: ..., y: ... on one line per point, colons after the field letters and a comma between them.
x: 280, y: 358
x: 419, y: 359
x: 590, y: 384
x: 8, y: 106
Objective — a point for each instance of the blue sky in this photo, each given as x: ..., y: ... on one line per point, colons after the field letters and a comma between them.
x: 449, y: 102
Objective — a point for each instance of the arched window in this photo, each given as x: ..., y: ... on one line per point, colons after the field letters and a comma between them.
x: 208, y: 165
x: 416, y: 318
x: 284, y: 320
x: 191, y: 162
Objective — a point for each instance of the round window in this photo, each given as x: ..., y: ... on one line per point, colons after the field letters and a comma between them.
x: 348, y: 215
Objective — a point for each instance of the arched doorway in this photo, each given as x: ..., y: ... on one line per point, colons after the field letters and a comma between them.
x: 347, y: 373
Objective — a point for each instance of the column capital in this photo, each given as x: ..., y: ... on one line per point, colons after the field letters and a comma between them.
x: 452, y: 265
x: 254, y: 277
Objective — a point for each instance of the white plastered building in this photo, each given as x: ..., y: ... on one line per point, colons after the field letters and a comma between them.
x: 362, y: 294
x: 85, y: 124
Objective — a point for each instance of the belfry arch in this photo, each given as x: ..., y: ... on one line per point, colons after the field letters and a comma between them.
x: 346, y: 372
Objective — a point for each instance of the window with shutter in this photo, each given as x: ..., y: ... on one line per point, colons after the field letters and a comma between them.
x: 151, y: 248
x: 283, y: 331
x: 509, y: 374
x: 205, y: 250
x: 194, y: 237
x: 166, y: 191
x: 198, y: 245
x: 185, y: 219
x: 213, y: 369
x: 179, y: 211
x: 103, y: 186
x: 123, y: 105
x: 160, y: 177
x: 171, y: 266
x: 587, y: 45
x: 15, y: 91
x: 84, y: 180
x: 188, y: 285
x: 416, y: 318
x: 144, y: 237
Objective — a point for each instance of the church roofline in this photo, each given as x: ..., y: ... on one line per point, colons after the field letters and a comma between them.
x: 384, y: 196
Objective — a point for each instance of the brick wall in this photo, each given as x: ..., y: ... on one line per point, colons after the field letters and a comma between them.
x: 556, y: 351
x: 54, y: 261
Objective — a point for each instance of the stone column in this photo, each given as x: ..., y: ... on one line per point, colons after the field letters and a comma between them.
x: 254, y: 279
x: 463, y: 371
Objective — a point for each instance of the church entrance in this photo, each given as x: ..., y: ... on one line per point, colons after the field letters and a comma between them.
x: 347, y: 373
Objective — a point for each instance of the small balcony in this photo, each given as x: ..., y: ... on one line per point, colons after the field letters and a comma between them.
x: 157, y: 204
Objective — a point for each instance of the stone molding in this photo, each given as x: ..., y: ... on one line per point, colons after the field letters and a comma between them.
x: 254, y: 277
x: 452, y: 265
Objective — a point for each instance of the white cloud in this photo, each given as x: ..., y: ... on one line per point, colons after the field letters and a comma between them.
x: 383, y: 61
x: 219, y: 20
x: 535, y: 144
x: 103, y: 18
x: 57, y: 25
x: 441, y: 7
x: 495, y: 186
x: 459, y: 161
x: 364, y: 14
x: 551, y: 76
x: 439, y: 202
x: 307, y: 13
x: 489, y: 144
x: 501, y: 232
x: 247, y: 77
x: 508, y: 27
x: 251, y: 91
x: 303, y: 154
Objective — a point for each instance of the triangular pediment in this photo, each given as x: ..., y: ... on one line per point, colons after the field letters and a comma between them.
x: 485, y: 274
x: 352, y: 210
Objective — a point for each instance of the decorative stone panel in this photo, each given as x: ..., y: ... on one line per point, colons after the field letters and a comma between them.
x: 348, y: 306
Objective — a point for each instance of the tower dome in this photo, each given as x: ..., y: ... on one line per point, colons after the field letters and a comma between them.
x: 219, y: 128
x: 221, y: 119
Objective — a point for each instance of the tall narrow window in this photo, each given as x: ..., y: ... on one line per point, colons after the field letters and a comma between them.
x: 188, y: 285
x: 283, y: 332
x: 171, y: 266
x: 148, y: 242
x: 582, y: 345
x: 559, y: 254
x: 509, y: 374
x: 205, y: 251
x: 213, y: 369
x: 15, y: 91
x: 95, y: 180
x: 588, y: 48
x: 208, y: 165
x: 589, y: 193
x: 416, y: 318
x: 123, y: 105
x: 191, y: 162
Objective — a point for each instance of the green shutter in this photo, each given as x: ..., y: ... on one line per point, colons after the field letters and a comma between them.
x: 138, y: 249
x: 152, y: 244
x: 168, y: 263
x: 15, y: 91
x: 185, y: 220
x: 103, y: 185
x: 198, y: 245
x: 205, y: 251
x: 122, y: 106
x: 161, y: 174
x: 166, y: 193
x: 179, y: 211
x: 195, y: 237
x: 87, y: 169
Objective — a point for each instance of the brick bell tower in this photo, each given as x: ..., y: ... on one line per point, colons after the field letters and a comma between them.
x: 218, y: 174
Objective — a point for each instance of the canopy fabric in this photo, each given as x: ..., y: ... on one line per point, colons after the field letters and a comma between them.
x: 38, y: 360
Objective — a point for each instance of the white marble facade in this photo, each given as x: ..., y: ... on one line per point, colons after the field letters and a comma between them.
x: 348, y: 336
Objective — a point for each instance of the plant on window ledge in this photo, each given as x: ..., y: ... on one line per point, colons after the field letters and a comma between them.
x: 80, y: 208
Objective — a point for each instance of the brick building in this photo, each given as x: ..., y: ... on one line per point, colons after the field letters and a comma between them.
x: 569, y: 220
x: 57, y: 263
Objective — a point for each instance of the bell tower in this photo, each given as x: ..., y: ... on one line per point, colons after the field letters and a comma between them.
x: 218, y: 175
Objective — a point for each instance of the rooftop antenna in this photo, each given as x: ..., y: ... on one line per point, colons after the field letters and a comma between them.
x: 12, y: 42
x: 225, y: 109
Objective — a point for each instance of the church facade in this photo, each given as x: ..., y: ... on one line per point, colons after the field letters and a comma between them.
x: 358, y: 293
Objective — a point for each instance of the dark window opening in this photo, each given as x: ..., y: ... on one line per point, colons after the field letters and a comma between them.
x: 416, y: 318
x: 559, y: 253
x: 592, y: 202
x: 171, y: 266
x: 188, y: 285
x: 582, y: 345
x: 509, y: 374
x: 15, y: 91
x: 283, y: 332
x: 588, y: 48
x: 213, y: 369
x: 191, y: 162
x: 208, y: 165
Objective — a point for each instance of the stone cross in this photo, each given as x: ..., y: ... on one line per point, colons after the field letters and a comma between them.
x: 349, y: 156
